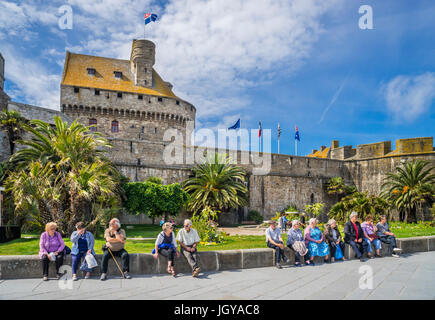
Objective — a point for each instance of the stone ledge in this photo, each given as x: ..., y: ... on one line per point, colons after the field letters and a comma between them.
x: 29, y: 266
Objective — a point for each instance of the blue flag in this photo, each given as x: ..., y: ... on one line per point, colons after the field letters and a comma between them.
x: 149, y: 17
x: 236, y: 126
x: 297, y: 134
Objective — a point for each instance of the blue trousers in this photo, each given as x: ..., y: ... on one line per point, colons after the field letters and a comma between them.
x: 76, y: 259
x: 358, y: 248
x: 376, y: 242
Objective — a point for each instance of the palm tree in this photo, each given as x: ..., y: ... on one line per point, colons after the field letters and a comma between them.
x: 409, y: 187
x: 216, y: 185
x: 11, y: 122
x: 76, y: 156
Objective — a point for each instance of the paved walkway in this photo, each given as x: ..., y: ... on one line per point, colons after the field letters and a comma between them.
x: 408, y: 277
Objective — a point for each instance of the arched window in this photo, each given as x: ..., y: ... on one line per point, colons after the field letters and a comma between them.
x: 93, y: 122
x: 115, y: 126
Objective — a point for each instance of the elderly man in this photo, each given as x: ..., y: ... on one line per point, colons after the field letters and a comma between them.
x: 274, y: 241
x: 387, y: 237
x: 354, y: 236
x: 115, y: 240
x: 188, y: 239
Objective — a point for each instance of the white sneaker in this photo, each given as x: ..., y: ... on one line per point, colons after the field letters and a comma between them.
x: 395, y: 255
x: 103, y: 277
x: 397, y: 250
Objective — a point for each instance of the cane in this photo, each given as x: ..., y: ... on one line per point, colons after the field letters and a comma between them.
x: 116, y: 262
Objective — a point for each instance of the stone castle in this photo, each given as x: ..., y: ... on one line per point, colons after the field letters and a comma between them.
x: 133, y: 106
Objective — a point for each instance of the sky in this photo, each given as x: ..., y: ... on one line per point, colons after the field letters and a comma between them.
x: 294, y: 62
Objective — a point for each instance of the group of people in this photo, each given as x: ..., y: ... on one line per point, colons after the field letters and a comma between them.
x: 330, y: 244
x: 52, y: 248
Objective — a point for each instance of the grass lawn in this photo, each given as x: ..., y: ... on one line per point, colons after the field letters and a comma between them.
x: 31, y: 246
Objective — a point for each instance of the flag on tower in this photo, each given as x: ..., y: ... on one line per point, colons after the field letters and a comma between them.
x: 297, y: 134
x: 259, y: 129
x: 235, y: 126
x: 150, y: 17
x: 279, y: 131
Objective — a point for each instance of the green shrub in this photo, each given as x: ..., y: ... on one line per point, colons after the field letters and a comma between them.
x: 206, y: 227
x: 254, y: 215
x: 315, y: 209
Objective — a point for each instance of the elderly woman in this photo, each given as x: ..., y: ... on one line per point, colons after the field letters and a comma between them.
x: 51, y: 248
x: 314, y: 241
x: 354, y: 236
x: 333, y: 239
x: 82, y: 244
x: 295, y: 241
x: 166, y: 245
x: 370, y: 237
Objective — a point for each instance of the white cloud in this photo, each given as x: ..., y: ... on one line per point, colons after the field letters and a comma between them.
x: 31, y: 79
x: 409, y: 97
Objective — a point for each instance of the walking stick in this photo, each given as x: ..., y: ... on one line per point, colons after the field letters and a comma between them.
x: 116, y: 262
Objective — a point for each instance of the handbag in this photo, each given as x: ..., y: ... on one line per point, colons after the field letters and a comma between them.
x: 338, y: 253
x: 67, y: 250
x: 91, y: 261
x: 373, y: 236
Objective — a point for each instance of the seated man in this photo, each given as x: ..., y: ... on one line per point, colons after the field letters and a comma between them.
x: 354, y: 236
x: 386, y: 236
x: 188, y: 239
x: 274, y: 241
x: 115, y: 240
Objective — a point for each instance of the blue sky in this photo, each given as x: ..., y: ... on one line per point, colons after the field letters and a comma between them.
x: 300, y: 62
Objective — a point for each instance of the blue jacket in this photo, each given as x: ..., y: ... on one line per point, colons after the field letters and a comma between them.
x: 75, y: 240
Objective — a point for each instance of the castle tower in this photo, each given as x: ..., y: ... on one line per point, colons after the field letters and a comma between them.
x: 142, y: 60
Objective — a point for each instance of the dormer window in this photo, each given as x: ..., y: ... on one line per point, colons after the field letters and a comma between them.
x: 120, y: 95
x: 118, y: 74
x: 160, y: 99
x: 91, y: 71
x: 76, y: 90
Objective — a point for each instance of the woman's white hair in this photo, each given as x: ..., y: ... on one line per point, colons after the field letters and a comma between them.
x: 353, y: 214
x: 294, y: 222
x: 117, y: 222
x: 312, y: 220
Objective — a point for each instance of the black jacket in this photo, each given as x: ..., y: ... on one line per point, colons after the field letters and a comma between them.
x: 350, y: 233
x: 328, y: 235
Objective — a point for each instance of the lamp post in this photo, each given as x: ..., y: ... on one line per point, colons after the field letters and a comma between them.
x: 1, y: 205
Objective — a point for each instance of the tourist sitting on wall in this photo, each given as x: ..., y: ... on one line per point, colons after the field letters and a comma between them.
x: 82, y: 244
x: 354, y: 236
x: 295, y: 241
x: 370, y: 237
x: 188, y: 239
x: 274, y: 241
x: 386, y: 236
x: 334, y: 240
x: 166, y: 245
x: 115, y: 240
x: 51, y: 248
x: 314, y: 241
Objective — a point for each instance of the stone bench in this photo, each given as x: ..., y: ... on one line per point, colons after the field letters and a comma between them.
x: 144, y: 263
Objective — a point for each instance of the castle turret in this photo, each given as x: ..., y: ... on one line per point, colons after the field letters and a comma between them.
x: 142, y: 60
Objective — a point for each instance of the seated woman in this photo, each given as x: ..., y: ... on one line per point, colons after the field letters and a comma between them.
x: 166, y: 245
x: 82, y: 244
x: 51, y: 248
x: 314, y: 241
x: 370, y: 237
x: 295, y: 241
x: 333, y: 239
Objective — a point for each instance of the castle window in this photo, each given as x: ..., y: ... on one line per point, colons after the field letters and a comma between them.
x: 76, y: 90
x: 91, y: 71
x: 177, y: 102
x: 191, y: 108
x: 138, y: 162
x: 160, y: 99
x: 115, y: 126
x: 120, y: 95
x: 146, y: 70
x: 143, y: 130
x: 145, y: 82
x: 155, y: 130
x: 118, y: 74
x: 93, y: 122
x: 97, y: 92
x: 140, y: 97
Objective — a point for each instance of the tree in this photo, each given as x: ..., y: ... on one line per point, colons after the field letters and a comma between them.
x: 360, y: 202
x: 154, y: 199
x: 79, y: 171
x: 216, y: 185
x: 11, y: 122
x: 410, y: 187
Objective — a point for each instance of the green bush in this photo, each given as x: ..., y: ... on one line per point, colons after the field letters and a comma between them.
x: 206, y: 227
x: 254, y: 215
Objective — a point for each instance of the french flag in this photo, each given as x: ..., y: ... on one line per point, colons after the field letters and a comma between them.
x: 259, y: 129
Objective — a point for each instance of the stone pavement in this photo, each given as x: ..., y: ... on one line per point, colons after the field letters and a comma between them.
x: 410, y: 277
